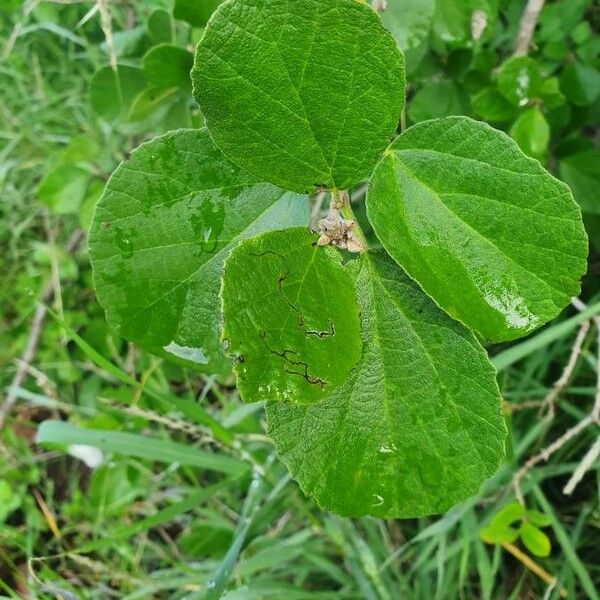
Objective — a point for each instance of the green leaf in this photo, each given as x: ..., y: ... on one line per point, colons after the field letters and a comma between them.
x: 508, y: 515
x: 532, y: 133
x: 535, y: 517
x: 580, y: 84
x: 166, y: 66
x: 453, y: 19
x: 438, y: 99
x: 498, y: 534
x: 131, y: 444
x: 112, y: 93
x: 302, y: 94
x: 63, y: 189
x: 416, y: 427
x: 535, y: 540
x: 409, y: 21
x: 520, y: 80
x: 582, y: 172
x: 195, y: 12
x: 492, y: 237
x: 551, y: 94
x: 290, y: 317
x: 491, y: 105
x: 148, y: 102
x: 559, y: 19
x: 160, y: 26
x: 161, y: 232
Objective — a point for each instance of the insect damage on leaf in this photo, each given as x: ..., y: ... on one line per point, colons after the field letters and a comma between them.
x: 290, y: 317
x: 415, y: 428
x: 167, y: 220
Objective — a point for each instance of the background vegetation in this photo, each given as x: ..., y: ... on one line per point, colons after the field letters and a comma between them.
x: 143, y: 517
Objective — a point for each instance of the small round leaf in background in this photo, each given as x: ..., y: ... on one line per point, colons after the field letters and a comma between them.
x: 112, y: 93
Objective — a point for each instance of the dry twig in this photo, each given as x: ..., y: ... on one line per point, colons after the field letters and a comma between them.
x: 33, y: 338
x: 592, y: 418
x: 527, y: 26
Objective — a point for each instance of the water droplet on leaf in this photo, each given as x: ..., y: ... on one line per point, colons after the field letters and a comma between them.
x: 387, y: 449
x: 124, y: 244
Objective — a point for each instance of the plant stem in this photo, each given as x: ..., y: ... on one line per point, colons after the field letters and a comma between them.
x: 527, y: 26
x: 347, y: 212
x: 533, y: 566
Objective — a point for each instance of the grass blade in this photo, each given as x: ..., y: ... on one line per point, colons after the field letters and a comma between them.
x: 131, y: 444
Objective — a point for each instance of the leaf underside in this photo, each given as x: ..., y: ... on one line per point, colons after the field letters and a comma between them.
x: 302, y: 93
x: 416, y: 427
x: 167, y: 220
x: 290, y: 317
x: 490, y: 235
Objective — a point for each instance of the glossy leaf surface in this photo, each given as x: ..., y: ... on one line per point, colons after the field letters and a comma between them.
x: 416, y: 427
x: 492, y: 237
x: 302, y: 93
x: 290, y: 317
x: 164, y: 226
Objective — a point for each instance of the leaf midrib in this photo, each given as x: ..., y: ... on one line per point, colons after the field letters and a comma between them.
x: 502, y: 252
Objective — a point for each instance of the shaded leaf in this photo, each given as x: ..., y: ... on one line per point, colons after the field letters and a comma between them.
x: 63, y: 189
x: 532, y: 133
x: 112, y: 93
x: 166, y: 222
x: 416, y: 427
x: 582, y: 172
x: 409, y: 21
x: 160, y: 26
x: 303, y: 94
x: 492, y: 237
x: 580, y: 84
x: 491, y: 105
x: 438, y: 99
x: 195, y: 12
x: 166, y: 66
x: 149, y: 101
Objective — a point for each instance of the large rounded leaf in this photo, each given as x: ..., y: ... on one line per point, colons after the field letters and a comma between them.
x: 490, y: 235
x: 416, y: 428
x: 167, y: 220
x: 303, y: 93
x: 290, y: 317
